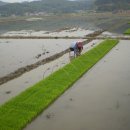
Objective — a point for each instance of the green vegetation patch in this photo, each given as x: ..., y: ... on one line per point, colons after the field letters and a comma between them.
x: 19, y: 111
x: 127, y: 31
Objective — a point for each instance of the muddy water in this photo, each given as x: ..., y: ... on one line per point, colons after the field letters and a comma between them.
x: 16, y: 53
x: 100, y: 100
x: 16, y: 86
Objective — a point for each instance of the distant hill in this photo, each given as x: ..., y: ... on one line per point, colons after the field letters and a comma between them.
x: 61, y: 6
x: 112, y: 5
x: 2, y: 3
x: 55, y: 6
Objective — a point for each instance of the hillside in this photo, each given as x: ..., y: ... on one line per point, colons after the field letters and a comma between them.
x: 112, y: 5
x: 55, y: 6
x: 2, y: 3
x: 61, y: 6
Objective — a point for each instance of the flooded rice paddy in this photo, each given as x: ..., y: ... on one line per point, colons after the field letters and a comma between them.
x: 17, y: 85
x: 16, y: 53
x: 114, y: 22
x: 97, y: 101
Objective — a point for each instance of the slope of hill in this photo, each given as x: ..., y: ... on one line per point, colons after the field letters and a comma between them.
x: 45, y: 6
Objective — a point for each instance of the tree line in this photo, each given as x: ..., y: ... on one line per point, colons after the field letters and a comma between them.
x: 48, y: 6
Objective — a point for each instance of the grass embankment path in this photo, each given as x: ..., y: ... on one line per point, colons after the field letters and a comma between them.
x: 19, y: 111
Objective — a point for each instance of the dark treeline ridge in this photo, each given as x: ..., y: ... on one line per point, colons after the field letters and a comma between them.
x: 47, y: 6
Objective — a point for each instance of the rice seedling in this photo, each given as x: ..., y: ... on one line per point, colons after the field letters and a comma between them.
x: 22, y: 109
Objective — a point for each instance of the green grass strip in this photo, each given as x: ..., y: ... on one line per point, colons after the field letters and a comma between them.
x: 127, y: 31
x: 22, y: 109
